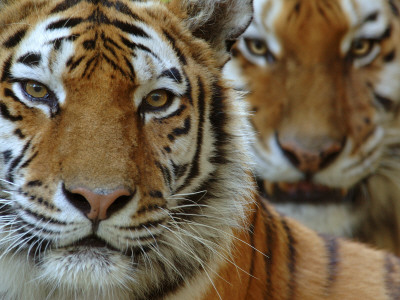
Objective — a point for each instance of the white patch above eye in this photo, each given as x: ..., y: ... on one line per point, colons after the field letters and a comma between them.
x: 358, y: 11
x: 262, y: 28
x: 51, y: 65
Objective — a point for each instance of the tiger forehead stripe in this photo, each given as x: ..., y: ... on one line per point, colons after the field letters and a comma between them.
x: 118, y: 5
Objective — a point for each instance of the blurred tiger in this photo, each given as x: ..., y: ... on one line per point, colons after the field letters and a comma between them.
x: 125, y: 170
x: 324, y: 90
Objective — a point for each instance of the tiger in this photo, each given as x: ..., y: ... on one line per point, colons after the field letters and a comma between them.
x: 126, y: 169
x: 322, y: 83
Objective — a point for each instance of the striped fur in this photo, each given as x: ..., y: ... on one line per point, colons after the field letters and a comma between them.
x: 326, y: 116
x: 185, y: 223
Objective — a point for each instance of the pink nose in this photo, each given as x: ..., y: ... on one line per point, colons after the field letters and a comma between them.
x: 99, y: 204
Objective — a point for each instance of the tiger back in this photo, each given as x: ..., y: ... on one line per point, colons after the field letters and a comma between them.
x: 124, y: 165
x: 323, y: 90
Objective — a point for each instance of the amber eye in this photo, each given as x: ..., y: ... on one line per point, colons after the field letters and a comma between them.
x: 257, y: 47
x: 36, y: 90
x: 361, y: 47
x: 157, y: 98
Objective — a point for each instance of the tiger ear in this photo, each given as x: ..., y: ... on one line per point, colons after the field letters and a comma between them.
x: 219, y: 22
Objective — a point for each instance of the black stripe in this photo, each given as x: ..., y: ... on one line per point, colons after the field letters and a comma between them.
x: 386, y: 34
x: 253, y: 245
x: 386, y: 103
x: 114, y: 65
x: 57, y: 42
x: 90, y: 44
x: 123, y: 8
x: 29, y: 160
x: 183, y: 130
x: 7, y: 115
x: 16, y: 161
x: 371, y: 17
x: 130, y: 67
x: 110, y: 41
x: 332, y: 251
x: 173, y: 74
x: 7, y: 155
x: 156, y: 194
x: 43, y: 218
x: 270, y: 233
x: 7, y: 69
x: 218, y: 121
x: 168, y: 149
x: 98, y: 17
x: 74, y: 64
x: 175, y: 48
x: 194, y: 170
x: 166, y: 173
x: 188, y: 93
x: 65, y: 6
x: 144, y: 48
x: 390, y: 56
x: 13, y: 40
x: 291, y: 264
x: 9, y: 93
x: 19, y: 133
x: 89, y: 63
x: 179, y: 170
x: 171, y: 137
x: 35, y: 183
x: 128, y: 43
x: 131, y: 29
x: 65, y: 23
x: 30, y: 59
x: 132, y: 46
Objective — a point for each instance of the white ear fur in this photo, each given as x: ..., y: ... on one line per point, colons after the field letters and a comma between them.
x: 219, y: 22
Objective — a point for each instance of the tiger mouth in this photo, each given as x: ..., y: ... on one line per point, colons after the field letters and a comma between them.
x: 304, y: 192
x: 94, y: 242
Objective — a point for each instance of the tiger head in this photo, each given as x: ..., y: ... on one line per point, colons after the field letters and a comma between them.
x: 323, y: 87
x: 122, y: 157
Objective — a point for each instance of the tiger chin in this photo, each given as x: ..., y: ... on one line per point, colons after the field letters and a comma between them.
x: 323, y: 89
x: 125, y: 169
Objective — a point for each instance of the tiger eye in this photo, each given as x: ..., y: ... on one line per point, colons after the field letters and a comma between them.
x: 157, y: 98
x: 361, y: 47
x: 36, y: 90
x: 257, y: 47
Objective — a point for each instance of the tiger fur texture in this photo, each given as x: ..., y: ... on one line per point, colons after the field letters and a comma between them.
x: 323, y: 80
x: 125, y: 171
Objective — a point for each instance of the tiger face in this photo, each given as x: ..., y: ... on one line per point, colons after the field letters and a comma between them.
x: 323, y: 80
x: 121, y: 162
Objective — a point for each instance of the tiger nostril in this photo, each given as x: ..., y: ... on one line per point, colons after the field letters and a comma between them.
x: 98, y: 206
x: 77, y: 200
x: 292, y: 157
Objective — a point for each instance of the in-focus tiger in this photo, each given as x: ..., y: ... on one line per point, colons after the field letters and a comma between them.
x: 124, y: 165
x: 324, y: 90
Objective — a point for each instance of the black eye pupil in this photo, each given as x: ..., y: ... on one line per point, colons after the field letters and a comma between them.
x: 37, y: 88
x: 258, y: 45
x: 156, y: 97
